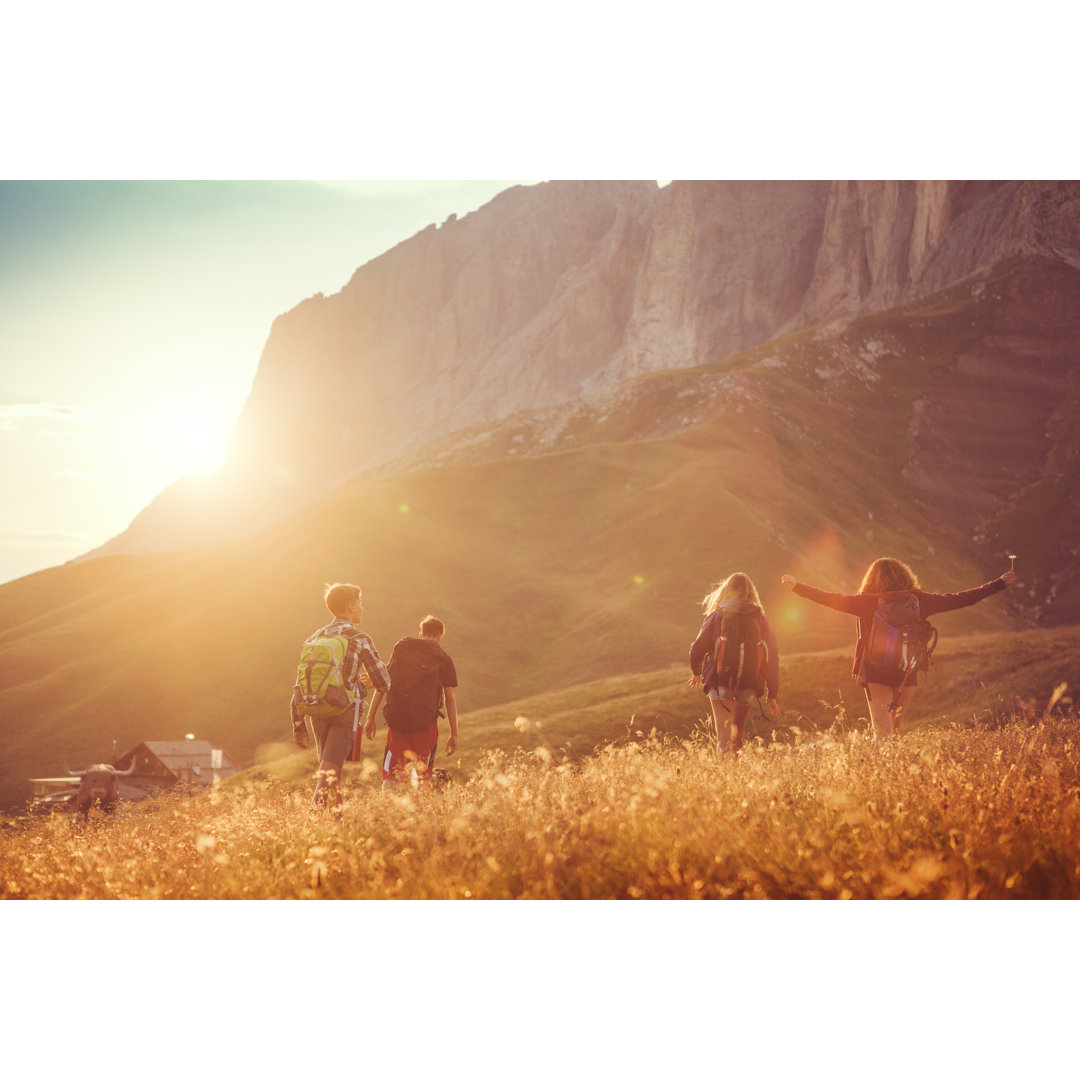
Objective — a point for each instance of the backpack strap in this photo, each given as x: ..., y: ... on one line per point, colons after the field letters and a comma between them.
x: 925, y: 647
x: 350, y: 634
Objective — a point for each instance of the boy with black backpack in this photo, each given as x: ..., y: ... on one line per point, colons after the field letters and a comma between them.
x: 422, y: 679
x: 338, y: 663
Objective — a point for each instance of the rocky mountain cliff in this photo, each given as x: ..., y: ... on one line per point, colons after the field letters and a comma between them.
x: 555, y: 291
x: 573, y: 542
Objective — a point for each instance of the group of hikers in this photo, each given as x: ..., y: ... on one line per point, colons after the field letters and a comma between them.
x: 735, y: 659
x: 339, y: 664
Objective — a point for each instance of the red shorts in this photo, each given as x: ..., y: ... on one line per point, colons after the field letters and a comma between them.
x: 407, y: 749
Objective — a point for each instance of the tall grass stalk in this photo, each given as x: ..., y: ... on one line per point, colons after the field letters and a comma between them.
x: 960, y: 812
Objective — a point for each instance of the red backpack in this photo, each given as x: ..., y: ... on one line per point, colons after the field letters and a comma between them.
x: 741, y: 653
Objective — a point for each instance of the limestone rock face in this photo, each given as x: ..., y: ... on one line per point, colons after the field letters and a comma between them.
x: 513, y: 307
x: 726, y: 266
x: 557, y: 290
x: 885, y: 243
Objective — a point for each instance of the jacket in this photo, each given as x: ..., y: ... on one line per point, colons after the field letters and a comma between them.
x: 863, y: 606
x: 705, y: 642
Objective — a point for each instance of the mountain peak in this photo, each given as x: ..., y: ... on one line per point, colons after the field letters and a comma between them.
x: 555, y: 291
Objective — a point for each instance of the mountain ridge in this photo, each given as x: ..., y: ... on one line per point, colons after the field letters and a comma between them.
x: 568, y: 560
x: 552, y: 292
x: 569, y: 540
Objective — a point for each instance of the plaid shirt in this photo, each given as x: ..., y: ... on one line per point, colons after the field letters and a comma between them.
x: 360, y: 653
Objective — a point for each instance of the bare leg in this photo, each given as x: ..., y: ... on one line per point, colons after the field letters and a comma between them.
x: 879, y: 698
x: 902, y: 702
x: 738, y: 726
x: 334, y: 741
x: 722, y: 723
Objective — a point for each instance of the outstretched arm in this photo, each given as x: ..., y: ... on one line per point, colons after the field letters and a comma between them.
x: 933, y: 603
x: 849, y: 603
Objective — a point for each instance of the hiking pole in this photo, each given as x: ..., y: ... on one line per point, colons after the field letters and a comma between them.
x: 925, y: 647
x: 903, y: 682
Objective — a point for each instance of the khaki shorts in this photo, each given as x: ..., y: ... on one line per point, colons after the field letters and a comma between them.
x: 742, y: 697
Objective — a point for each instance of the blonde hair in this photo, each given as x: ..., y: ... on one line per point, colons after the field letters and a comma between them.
x: 430, y: 627
x: 888, y: 575
x: 736, y: 586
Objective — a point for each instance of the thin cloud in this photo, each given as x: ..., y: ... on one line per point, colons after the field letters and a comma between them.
x: 26, y: 538
x: 13, y: 417
x: 79, y: 474
x: 46, y: 409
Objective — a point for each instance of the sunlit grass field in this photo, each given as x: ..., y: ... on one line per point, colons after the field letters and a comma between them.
x: 975, y: 809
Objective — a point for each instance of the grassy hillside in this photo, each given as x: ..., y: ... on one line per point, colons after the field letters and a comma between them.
x: 976, y: 679
x: 583, y: 561
x: 988, y: 810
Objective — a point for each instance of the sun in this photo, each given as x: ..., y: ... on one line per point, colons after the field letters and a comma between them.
x: 193, y: 440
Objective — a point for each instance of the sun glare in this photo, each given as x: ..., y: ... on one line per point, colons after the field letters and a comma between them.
x: 194, y: 441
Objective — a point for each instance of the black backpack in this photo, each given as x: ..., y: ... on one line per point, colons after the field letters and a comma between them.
x: 414, y: 699
x: 740, y: 653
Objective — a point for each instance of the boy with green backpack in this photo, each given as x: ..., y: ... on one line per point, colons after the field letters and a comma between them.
x: 338, y: 663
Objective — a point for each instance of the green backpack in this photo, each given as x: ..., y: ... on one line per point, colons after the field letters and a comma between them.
x: 321, y: 675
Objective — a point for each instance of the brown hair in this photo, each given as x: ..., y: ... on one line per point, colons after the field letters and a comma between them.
x: 888, y: 575
x: 735, y: 586
x: 339, y: 598
x: 430, y: 627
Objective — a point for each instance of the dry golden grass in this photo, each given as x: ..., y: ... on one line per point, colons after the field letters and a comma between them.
x: 972, y: 810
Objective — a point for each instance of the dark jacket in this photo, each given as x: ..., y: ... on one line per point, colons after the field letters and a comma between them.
x: 710, y: 630
x: 863, y: 606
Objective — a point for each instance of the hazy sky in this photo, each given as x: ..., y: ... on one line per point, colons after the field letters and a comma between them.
x: 132, y: 318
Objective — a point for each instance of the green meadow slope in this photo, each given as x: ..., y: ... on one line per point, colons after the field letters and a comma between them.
x: 978, y: 678
x: 557, y: 553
